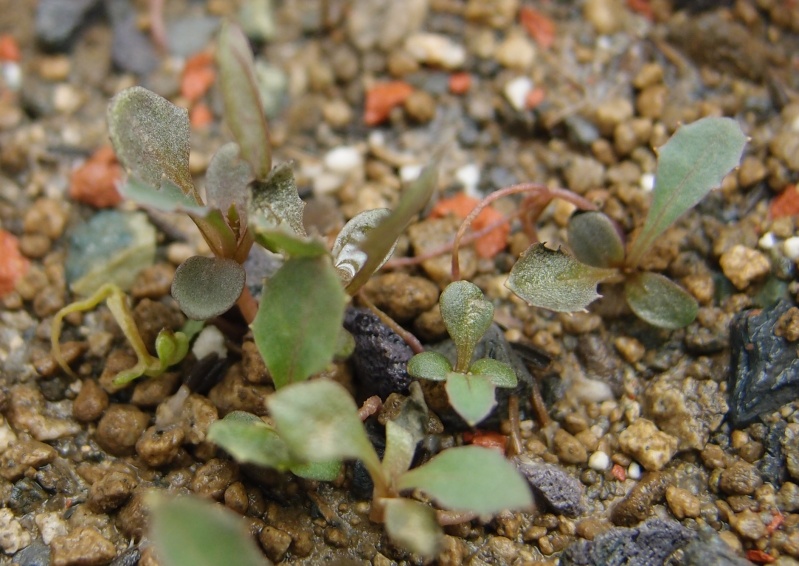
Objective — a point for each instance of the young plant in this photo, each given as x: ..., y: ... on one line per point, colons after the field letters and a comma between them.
x: 317, y: 423
x: 690, y: 164
x: 470, y: 386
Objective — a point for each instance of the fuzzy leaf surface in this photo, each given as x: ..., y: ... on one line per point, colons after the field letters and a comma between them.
x: 189, y: 531
x: 555, y: 280
x: 275, y: 203
x: 289, y: 244
x: 413, y: 526
x: 298, y: 323
x: 168, y: 198
x: 472, y: 396
x: 694, y: 161
x: 594, y: 240
x: 244, y: 113
x: 383, y: 237
x: 348, y: 257
x: 429, y: 365
x: 470, y: 478
x: 659, y: 301
x: 151, y: 138
x: 498, y: 373
x: 250, y: 440
x: 400, y: 447
x: 206, y: 287
x: 467, y: 316
x: 227, y: 180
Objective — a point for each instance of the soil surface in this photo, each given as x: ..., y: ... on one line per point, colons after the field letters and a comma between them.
x: 657, y: 446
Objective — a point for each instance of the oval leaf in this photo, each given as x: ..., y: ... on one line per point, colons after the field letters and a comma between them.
x: 429, y: 365
x: 189, y: 531
x: 348, y: 257
x: 151, y: 138
x: 499, y: 373
x: 694, y: 161
x: 243, y: 111
x: 594, y: 240
x: 249, y: 440
x: 227, y: 180
x: 659, y: 301
x: 472, y: 396
x: 206, y: 287
x: 555, y: 280
x: 278, y: 241
x: 168, y: 198
x: 470, y: 478
x: 317, y: 471
x: 299, y: 321
x: 412, y: 525
x: 467, y: 316
x: 275, y: 204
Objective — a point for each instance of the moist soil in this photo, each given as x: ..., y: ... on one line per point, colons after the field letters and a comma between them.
x: 655, y: 446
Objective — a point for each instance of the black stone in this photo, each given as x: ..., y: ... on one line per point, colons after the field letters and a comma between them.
x: 362, y: 486
x: 128, y: 558
x: 772, y: 464
x: 131, y: 51
x: 58, y: 20
x: 764, y: 370
x: 35, y: 554
x: 559, y: 491
x: 648, y: 544
x: 710, y: 549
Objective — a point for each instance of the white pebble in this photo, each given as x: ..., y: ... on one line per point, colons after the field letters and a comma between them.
x: 469, y: 176
x: 790, y: 248
x: 435, y: 49
x: 516, y: 91
x: 647, y: 182
x: 12, y: 75
x: 599, y: 461
x: 410, y: 173
x: 344, y: 160
x: 634, y: 471
x: 209, y: 341
x: 767, y: 241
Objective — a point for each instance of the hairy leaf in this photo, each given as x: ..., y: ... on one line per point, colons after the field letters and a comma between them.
x: 412, y: 525
x: 555, y: 280
x: 382, y: 238
x: 189, y: 531
x: 278, y: 241
x: 250, y: 441
x: 319, y: 422
x: 348, y: 257
x: 275, y: 203
x: 659, y: 301
x: 151, y: 138
x: 690, y: 164
x: 243, y: 111
x: 429, y: 365
x: 318, y: 471
x: 400, y: 447
x: 499, y: 373
x: 472, y: 396
x: 227, y: 180
x: 594, y: 240
x: 299, y: 320
x: 168, y: 198
x: 205, y: 287
x: 470, y: 478
x: 467, y: 316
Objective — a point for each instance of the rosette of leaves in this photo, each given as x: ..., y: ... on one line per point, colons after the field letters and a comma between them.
x: 316, y: 426
x: 470, y: 386
x: 694, y: 161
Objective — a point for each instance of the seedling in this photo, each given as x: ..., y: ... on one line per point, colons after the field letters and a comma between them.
x: 470, y: 386
x: 316, y: 425
x: 690, y: 164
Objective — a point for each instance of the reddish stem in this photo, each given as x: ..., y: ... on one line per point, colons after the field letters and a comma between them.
x: 409, y: 338
x: 248, y: 306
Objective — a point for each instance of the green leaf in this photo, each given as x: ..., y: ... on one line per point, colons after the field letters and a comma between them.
x: 345, y: 345
x: 205, y: 287
x: 659, y: 301
x: 690, y: 164
x: 189, y: 531
x: 319, y: 422
x: 429, y: 365
x: 472, y: 396
x: 499, y: 373
x: 275, y: 203
x: 319, y: 471
x: 217, y: 233
x: 470, y: 478
x: 171, y: 347
x: 243, y: 111
x: 594, y: 240
x: 168, y: 198
x: 348, y: 257
x: 412, y: 525
x: 299, y: 320
x: 278, y: 241
x: 151, y: 138
x: 400, y: 447
x: 383, y: 237
x: 227, y: 180
x: 250, y: 440
x: 555, y: 280
x: 467, y: 316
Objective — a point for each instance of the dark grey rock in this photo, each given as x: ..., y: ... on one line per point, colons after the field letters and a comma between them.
x: 764, y: 372
x: 560, y: 492
x: 128, y: 558
x: 709, y: 549
x: 35, y: 554
x: 772, y: 464
x: 131, y: 51
x: 26, y: 496
x: 57, y: 20
x: 649, y: 544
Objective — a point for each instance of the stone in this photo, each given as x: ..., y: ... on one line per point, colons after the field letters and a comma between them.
x: 748, y: 524
x: 682, y: 502
x: 90, y: 403
x: 235, y: 393
x: 741, y: 478
x: 611, y: 112
x: 605, y: 16
x: 498, y: 14
x: 516, y: 52
x: 568, y: 449
x: 58, y: 20
x: 132, y: 50
x: 120, y: 428
x: 652, y: 448
x: 790, y: 448
x: 430, y: 235
x: 764, y: 373
x: 420, y: 106
x: 158, y: 447
x: 788, y: 498
x: 401, y: 296
x: 638, y: 503
x: 275, y: 543
x: 23, y: 455
x: 436, y: 50
x: 84, y: 546
x: 377, y: 24
x: 28, y: 411
x: 111, y: 491
x: 710, y: 548
x: 13, y: 536
x: 213, y: 478
x: 743, y: 265
x: 562, y: 493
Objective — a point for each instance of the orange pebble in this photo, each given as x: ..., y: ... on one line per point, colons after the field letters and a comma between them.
x: 535, y: 97
x: 200, y: 116
x: 539, y: 26
x: 196, y: 81
x: 785, y: 204
x: 618, y: 472
x: 95, y: 182
x: 642, y: 7
x: 13, y: 265
x: 382, y: 98
x: 460, y: 83
x: 9, y: 49
x: 487, y: 439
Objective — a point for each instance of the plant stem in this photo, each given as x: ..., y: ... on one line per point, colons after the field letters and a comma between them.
x: 247, y: 304
x: 409, y: 338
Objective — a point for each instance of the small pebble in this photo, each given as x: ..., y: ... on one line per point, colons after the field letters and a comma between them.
x: 275, y: 543
x: 516, y: 52
x: 90, y: 403
x: 568, y: 449
x: 743, y: 265
x: 599, y: 461
x: 120, y: 428
x: 790, y: 248
x: 651, y: 447
x: 682, y: 502
x: 436, y: 50
x: 516, y: 91
x: 343, y: 160
x: 741, y: 478
x: 420, y: 106
x: 111, y: 491
x: 748, y: 524
x: 84, y: 546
